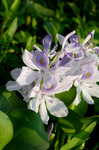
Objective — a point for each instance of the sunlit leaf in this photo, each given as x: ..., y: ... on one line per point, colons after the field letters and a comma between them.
x: 15, y: 5
x: 71, y: 123
x: 79, y: 138
x: 5, y: 4
x: 6, y: 130
x: 11, y: 30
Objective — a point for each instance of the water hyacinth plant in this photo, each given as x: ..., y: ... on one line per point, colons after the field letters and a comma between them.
x: 49, y: 75
x: 49, y: 72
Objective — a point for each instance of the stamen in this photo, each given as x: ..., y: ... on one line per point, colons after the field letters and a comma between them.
x: 88, y: 74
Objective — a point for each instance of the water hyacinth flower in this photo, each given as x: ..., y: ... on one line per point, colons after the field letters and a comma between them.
x: 48, y: 72
x: 72, y: 49
x: 36, y: 63
x: 82, y: 56
x: 71, y: 46
x: 37, y: 81
x: 87, y: 83
x: 40, y: 102
x: 47, y: 41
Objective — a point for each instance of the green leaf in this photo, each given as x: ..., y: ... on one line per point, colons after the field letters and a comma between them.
x: 79, y: 138
x: 66, y: 126
x: 39, y: 10
x: 28, y: 127
x: 68, y: 96
x: 21, y: 36
x: 11, y: 30
x: 9, y: 101
x: 87, y: 120
x: 29, y: 139
x: 29, y: 132
x: 75, y: 9
x: 81, y: 108
x: 43, y: 10
x: 15, y: 5
x: 5, y: 4
x: 6, y: 130
x: 52, y: 27
x: 30, y: 41
x: 71, y: 123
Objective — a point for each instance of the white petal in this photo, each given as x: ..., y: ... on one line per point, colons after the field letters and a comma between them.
x: 78, y: 97
x: 64, y: 82
x: 12, y: 86
x: 66, y: 38
x: 28, y: 59
x: 43, y: 113
x: 37, y: 48
x: 24, y: 91
x: 34, y: 91
x: 15, y: 73
x: 93, y: 89
x: 87, y: 97
x: 96, y: 76
x: 56, y: 107
x: 88, y: 38
x: 34, y: 105
x: 26, y: 77
x: 64, y: 86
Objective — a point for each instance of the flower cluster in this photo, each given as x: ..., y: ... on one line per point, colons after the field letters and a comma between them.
x: 50, y: 71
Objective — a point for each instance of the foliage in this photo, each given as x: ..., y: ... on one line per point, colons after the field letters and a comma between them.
x: 22, y: 24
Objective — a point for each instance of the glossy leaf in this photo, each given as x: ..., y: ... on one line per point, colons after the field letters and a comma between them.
x: 6, y: 130
x: 9, y: 101
x: 29, y: 132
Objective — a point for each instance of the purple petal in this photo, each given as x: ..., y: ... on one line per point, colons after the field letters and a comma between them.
x: 96, y: 50
x: 47, y: 42
x: 64, y: 60
x: 40, y: 59
x: 75, y: 51
x: 74, y: 39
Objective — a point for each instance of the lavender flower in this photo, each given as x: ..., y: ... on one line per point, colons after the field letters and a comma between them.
x: 48, y: 72
x: 39, y: 82
x: 41, y: 102
x: 86, y: 83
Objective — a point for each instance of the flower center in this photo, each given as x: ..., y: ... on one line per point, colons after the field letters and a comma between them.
x: 42, y: 61
x: 75, y: 55
x: 88, y: 74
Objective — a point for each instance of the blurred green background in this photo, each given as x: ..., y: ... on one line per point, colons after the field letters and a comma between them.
x: 24, y: 23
